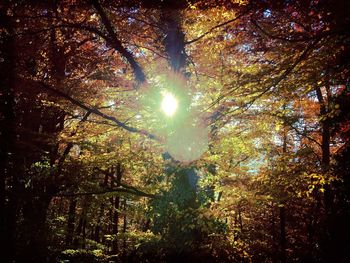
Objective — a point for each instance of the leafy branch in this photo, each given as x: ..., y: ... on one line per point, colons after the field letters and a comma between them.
x: 95, y: 111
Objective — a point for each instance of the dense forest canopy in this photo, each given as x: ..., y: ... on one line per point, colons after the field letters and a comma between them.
x: 175, y: 131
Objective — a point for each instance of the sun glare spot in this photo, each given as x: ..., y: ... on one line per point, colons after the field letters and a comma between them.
x: 169, y: 104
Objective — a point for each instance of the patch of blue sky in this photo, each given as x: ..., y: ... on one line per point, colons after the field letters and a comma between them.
x: 267, y: 13
x: 255, y: 164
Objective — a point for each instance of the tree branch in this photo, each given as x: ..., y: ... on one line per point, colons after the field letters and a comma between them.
x: 279, y: 79
x: 217, y: 26
x: 70, y: 145
x: 116, y: 43
x: 300, y: 39
x: 95, y: 111
x: 290, y: 124
x: 106, y: 191
x: 68, y: 25
x: 270, y: 35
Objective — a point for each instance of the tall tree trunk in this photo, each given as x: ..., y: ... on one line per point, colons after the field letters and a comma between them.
x: 283, y: 240
x: 8, y: 201
x: 102, y: 209
x: 174, y: 41
x: 79, y: 239
x: 235, y: 228
x: 97, y: 231
x: 282, y: 211
x: 83, y: 231
x: 330, y: 247
x: 240, y: 222
x: 310, y: 237
x: 124, y: 229
x: 35, y: 230
x: 325, y: 127
x: 71, y: 221
x: 273, y: 233
x: 115, y: 229
x: 116, y: 182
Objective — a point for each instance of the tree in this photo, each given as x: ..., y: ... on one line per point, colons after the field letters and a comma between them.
x: 261, y: 129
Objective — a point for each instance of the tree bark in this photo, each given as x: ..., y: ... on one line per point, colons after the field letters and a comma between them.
x: 116, y: 43
x: 283, y: 240
x: 117, y: 179
x: 282, y: 211
x: 273, y: 233
x: 80, y: 231
x: 174, y: 41
x: 8, y: 200
x: 71, y: 221
x: 330, y: 249
x: 125, y: 222
x: 325, y: 129
x: 35, y: 230
x: 102, y: 209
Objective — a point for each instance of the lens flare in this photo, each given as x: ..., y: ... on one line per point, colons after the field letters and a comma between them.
x: 169, y: 104
x: 188, y: 143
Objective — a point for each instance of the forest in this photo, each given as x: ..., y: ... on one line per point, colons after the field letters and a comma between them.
x: 175, y: 131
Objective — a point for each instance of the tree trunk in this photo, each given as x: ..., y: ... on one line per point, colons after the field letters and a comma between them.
x: 35, y: 230
x: 80, y: 231
x: 282, y: 211
x: 273, y: 232
x: 117, y: 179
x: 102, y: 209
x: 83, y: 230
x: 71, y: 221
x: 240, y: 222
x: 8, y: 202
x: 283, y: 240
x: 174, y: 41
x: 325, y: 126
x: 124, y: 228
x: 330, y: 247
x: 97, y: 231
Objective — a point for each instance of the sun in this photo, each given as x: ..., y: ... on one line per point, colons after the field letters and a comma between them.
x: 169, y: 104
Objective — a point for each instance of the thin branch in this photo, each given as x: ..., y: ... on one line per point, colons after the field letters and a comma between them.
x: 239, y: 162
x: 278, y: 80
x: 145, y: 22
x: 290, y: 124
x: 300, y: 39
x: 150, y: 49
x: 106, y: 191
x: 270, y: 35
x: 81, y: 43
x: 217, y: 26
x: 302, y: 57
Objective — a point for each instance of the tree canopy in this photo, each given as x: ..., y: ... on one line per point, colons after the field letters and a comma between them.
x: 175, y: 131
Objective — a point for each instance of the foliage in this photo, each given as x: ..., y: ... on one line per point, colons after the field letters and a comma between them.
x: 252, y: 167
